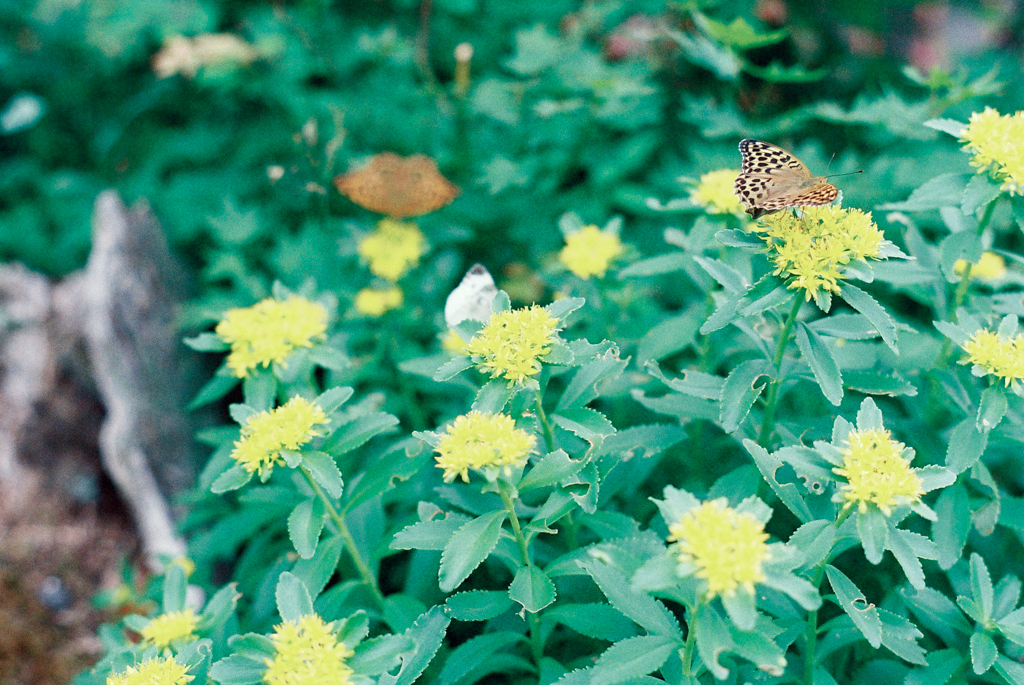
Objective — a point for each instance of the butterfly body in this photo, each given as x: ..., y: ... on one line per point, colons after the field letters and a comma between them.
x: 772, y: 179
x: 472, y: 298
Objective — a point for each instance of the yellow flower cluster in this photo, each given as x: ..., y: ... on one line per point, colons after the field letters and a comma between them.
x: 267, y: 332
x: 393, y: 248
x: 186, y: 56
x: 482, y: 441
x: 999, y: 356
x: 991, y: 267
x: 727, y: 547
x: 159, y: 671
x: 811, y: 250
x: 995, y: 142
x: 165, y: 629
x: 374, y: 302
x: 513, y: 342
x: 715, y: 193
x: 265, y: 434
x: 308, y: 653
x: 590, y: 251
x: 877, y: 471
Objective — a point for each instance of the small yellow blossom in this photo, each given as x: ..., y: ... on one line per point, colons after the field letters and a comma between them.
x: 994, y: 141
x: 811, y: 250
x: 373, y: 302
x: 991, y: 267
x: 482, y: 441
x: 267, y: 332
x: 727, y: 547
x: 265, y: 434
x: 453, y: 342
x: 999, y: 356
x: 166, y: 628
x: 393, y: 248
x: 158, y: 671
x: 513, y: 342
x: 877, y: 471
x: 715, y: 193
x: 590, y: 251
x: 185, y: 56
x: 308, y: 653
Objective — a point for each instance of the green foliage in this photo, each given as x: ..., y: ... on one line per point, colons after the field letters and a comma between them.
x: 691, y: 371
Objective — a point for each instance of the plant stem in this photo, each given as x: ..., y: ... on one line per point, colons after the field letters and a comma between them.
x: 691, y: 638
x: 772, y: 399
x: 545, y: 423
x: 533, y: 621
x: 346, y: 536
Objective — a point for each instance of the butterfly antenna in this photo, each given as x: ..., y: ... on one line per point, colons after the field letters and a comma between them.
x: 845, y: 173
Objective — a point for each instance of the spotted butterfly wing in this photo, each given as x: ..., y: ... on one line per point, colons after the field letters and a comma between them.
x: 772, y: 179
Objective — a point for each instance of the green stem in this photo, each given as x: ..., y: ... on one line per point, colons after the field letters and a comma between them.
x: 545, y: 423
x: 346, y: 536
x: 691, y: 639
x: 772, y: 399
x: 533, y: 621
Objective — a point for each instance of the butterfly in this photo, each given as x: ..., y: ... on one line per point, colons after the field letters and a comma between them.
x: 772, y: 179
x: 397, y: 186
x: 471, y: 299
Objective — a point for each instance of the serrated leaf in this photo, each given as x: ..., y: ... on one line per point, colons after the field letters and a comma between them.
x: 432, y: 535
x: 980, y: 191
x: 493, y: 396
x: 873, y: 531
x: 293, y: 600
x: 318, y: 569
x: 966, y: 445
x: 584, y: 386
x: 632, y: 658
x: 469, y: 546
x: 769, y: 464
x: 951, y: 126
x: 237, y: 670
x: 175, y: 585
x: 324, y: 471
x: 823, y: 364
x: 942, y: 191
x: 991, y: 409
x: 232, y: 479
x: 217, y: 387
x: 981, y: 586
x: 358, y: 432
x: 304, y: 526
x: 598, y: 621
x: 856, y: 606
x: 532, y: 588
x: 873, y: 312
x: 983, y: 652
x: 207, y: 342
x: 452, y: 368
x: 588, y: 424
x: 474, y: 656
x: 550, y: 470
x: 953, y: 524
x: 740, y: 390
x: 427, y: 635
x: 478, y: 605
x: 646, y: 611
x: 900, y: 636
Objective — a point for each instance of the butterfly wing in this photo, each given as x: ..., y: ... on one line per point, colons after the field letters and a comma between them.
x: 398, y: 186
x: 472, y: 298
x: 759, y: 157
x: 818, y: 194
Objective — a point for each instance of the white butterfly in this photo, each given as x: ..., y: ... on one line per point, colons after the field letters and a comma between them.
x: 471, y: 299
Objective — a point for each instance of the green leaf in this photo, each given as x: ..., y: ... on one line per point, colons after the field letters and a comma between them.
x: 304, y: 526
x: 532, y: 588
x: 427, y: 634
x: 536, y: 50
x: 217, y: 387
x: 452, y: 368
x: 293, y: 600
x: 493, y: 396
x: 380, y: 654
x: 391, y: 467
x: 873, y: 531
x: 901, y: 545
x: 232, y: 479
x: 585, y: 384
x: 432, y: 535
x: 856, y: 606
x: 358, y: 432
x: 642, y: 441
x: 329, y: 358
x: 740, y: 390
x: 588, y: 424
x: 900, y: 636
x: 874, y: 383
x: 953, y: 524
x: 873, y: 312
x: 991, y: 409
x: 175, y: 585
x: 713, y: 640
x: 983, y: 652
x: 332, y: 399
x: 207, y: 342
x: 704, y: 53
x: 656, y: 266
x: 550, y: 470
x: 737, y: 34
x: 966, y: 445
x: 237, y: 670
x: 318, y: 569
x: 325, y: 472
x: 823, y: 364
x: 942, y: 191
x: 475, y: 657
x: 769, y: 464
x: 468, y: 547
x: 646, y: 611
x: 981, y: 190
x: 598, y: 621
x: 942, y: 664
x: 260, y: 390
x: 219, y: 608
x: 669, y: 336
x: 741, y: 608
x: 478, y: 605
x: 632, y: 658
x: 981, y: 586
x: 951, y: 126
